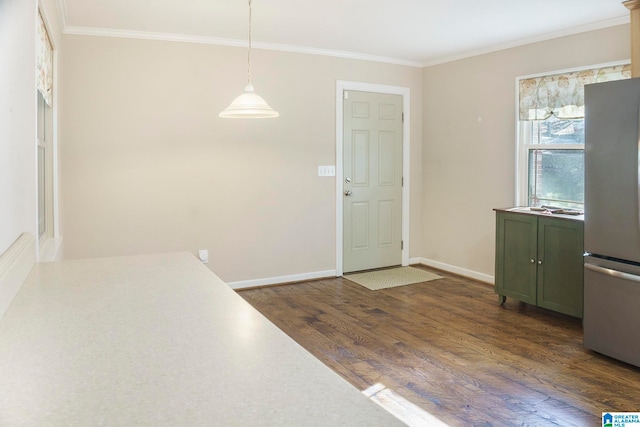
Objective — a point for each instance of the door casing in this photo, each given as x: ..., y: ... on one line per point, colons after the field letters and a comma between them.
x: 341, y: 86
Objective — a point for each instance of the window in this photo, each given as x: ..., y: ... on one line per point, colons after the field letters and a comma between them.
x: 555, y: 162
x: 45, y: 187
x: 45, y: 143
x: 551, y: 132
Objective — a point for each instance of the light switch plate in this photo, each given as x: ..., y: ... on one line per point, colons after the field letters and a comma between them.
x: 327, y: 170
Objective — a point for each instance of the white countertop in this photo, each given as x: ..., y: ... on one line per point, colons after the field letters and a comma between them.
x: 574, y: 215
x: 158, y: 340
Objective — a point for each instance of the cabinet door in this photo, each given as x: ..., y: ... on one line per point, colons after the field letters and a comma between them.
x: 561, y: 272
x: 516, y: 246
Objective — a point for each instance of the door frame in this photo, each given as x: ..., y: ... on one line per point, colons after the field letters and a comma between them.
x: 405, y: 92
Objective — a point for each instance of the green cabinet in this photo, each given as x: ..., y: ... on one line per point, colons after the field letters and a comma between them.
x: 539, y: 260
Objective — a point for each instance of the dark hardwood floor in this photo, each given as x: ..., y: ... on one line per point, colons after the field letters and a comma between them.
x: 448, y: 347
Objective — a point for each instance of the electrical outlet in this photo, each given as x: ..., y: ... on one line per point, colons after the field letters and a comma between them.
x: 203, y: 255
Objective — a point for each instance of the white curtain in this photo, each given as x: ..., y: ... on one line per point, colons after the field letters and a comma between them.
x: 562, y: 95
x: 44, y: 62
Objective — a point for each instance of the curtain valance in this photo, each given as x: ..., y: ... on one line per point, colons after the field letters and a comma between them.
x: 562, y: 95
x: 44, y: 62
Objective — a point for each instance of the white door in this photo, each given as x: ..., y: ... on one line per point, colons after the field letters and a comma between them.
x: 372, y: 185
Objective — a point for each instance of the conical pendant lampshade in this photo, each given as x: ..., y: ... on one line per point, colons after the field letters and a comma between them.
x: 249, y: 104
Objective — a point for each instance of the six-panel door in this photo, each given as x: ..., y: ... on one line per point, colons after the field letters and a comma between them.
x: 372, y: 187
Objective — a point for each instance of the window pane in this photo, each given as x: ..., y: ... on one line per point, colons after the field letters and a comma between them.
x: 554, y: 131
x: 556, y: 178
x: 41, y: 117
x: 42, y: 211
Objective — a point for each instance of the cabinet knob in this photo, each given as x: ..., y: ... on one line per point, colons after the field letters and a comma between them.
x: 540, y: 262
x: 532, y: 261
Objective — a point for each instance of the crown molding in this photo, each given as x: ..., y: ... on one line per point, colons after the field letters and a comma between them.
x: 185, y: 38
x: 62, y: 14
x: 540, y: 38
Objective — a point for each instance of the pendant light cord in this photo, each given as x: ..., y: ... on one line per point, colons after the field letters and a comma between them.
x: 249, y: 104
x: 249, y: 54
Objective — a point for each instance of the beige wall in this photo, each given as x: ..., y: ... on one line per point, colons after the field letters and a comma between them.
x: 468, y: 164
x: 147, y: 165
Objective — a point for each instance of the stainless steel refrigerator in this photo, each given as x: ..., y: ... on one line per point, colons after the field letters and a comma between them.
x: 612, y: 222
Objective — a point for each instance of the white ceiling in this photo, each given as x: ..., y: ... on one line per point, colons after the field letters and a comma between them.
x: 412, y: 32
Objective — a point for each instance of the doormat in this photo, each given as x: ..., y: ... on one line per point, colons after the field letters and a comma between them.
x: 391, y: 277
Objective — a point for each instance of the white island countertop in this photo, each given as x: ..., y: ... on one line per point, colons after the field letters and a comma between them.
x: 158, y: 340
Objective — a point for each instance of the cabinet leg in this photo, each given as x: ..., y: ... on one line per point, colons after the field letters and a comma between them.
x: 502, y: 299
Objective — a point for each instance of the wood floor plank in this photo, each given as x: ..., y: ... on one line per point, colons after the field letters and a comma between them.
x: 448, y: 347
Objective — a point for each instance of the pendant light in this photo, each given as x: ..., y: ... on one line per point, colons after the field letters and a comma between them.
x: 249, y: 104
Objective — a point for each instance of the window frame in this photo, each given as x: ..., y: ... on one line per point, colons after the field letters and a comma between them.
x: 44, y: 136
x: 50, y: 243
x: 528, y: 146
x: 523, y: 145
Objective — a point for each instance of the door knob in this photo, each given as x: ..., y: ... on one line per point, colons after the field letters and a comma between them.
x: 347, y: 193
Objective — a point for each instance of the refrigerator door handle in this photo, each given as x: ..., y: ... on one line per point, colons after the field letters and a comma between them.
x: 614, y: 273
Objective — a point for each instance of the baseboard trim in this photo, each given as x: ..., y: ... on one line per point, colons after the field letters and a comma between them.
x: 15, y: 264
x: 51, y: 250
x: 486, y: 278
x: 279, y: 280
